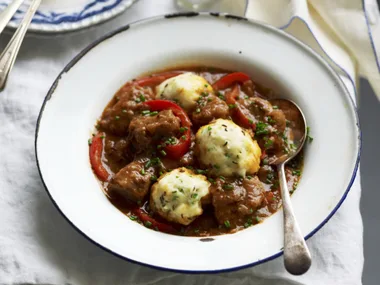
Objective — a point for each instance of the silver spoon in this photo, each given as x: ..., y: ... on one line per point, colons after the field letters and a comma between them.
x: 9, y: 54
x: 297, y: 257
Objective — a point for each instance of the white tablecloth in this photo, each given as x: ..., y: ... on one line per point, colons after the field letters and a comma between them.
x: 38, y: 246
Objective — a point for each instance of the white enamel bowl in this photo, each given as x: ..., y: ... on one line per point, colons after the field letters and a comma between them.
x: 271, y: 57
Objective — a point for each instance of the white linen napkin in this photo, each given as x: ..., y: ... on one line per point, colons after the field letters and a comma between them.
x: 38, y: 246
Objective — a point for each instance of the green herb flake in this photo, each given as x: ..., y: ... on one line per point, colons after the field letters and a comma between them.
x: 308, y: 137
x: 117, y: 117
x: 133, y: 217
x: 232, y: 106
x: 89, y: 141
x: 148, y: 224
x: 145, y: 112
x: 124, y: 111
x: 296, y: 172
x: 228, y: 187
x: 153, y: 178
x: 261, y: 128
x: 142, y: 98
x: 142, y: 171
x: 227, y: 224
x: 268, y: 143
x: 197, y: 110
x: 183, y: 129
x: 275, y: 107
x: 153, y: 113
x: 163, y: 152
x: 194, y: 196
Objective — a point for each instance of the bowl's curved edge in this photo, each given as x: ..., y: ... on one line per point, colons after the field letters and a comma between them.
x: 193, y: 14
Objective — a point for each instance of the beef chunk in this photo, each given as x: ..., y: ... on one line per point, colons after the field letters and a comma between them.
x: 235, y: 201
x: 132, y: 182
x: 214, y: 108
x: 146, y: 130
x: 125, y: 105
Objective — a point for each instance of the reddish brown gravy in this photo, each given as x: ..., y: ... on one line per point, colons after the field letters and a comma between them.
x: 119, y: 152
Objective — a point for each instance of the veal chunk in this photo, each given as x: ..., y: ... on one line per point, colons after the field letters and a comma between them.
x: 215, y: 108
x: 235, y: 201
x: 131, y: 182
x: 124, y: 106
x: 144, y: 131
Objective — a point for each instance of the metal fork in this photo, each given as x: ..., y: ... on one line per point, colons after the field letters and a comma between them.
x: 8, y: 56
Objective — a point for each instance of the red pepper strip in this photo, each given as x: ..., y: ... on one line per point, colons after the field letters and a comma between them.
x: 144, y: 218
x: 156, y: 79
x: 229, y: 79
x: 269, y: 197
x: 238, y: 113
x: 96, y: 151
x: 178, y: 150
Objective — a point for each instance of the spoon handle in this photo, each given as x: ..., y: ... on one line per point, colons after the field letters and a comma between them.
x: 8, y: 56
x: 297, y: 257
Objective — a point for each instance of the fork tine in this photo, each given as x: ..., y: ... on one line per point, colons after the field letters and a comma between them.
x: 7, y: 14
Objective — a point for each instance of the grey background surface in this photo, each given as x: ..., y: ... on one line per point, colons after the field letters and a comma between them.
x: 369, y: 115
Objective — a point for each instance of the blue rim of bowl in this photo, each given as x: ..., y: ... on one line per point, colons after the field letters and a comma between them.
x: 194, y: 14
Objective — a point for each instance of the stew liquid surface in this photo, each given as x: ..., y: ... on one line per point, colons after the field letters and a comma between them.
x: 188, y: 151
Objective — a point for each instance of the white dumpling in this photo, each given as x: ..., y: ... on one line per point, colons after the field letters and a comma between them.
x: 176, y: 196
x: 185, y: 89
x: 227, y: 149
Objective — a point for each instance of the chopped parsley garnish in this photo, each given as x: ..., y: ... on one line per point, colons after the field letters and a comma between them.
x: 153, y: 113
x: 163, y: 152
x: 232, y: 106
x: 153, y: 178
x: 89, y: 141
x: 275, y: 107
x: 222, y: 177
x: 148, y: 224
x: 270, y: 120
x: 261, y: 128
x: 228, y: 187
x: 249, y: 177
x: 145, y: 112
x: 117, y: 117
x: 268, y: 143
x: 296, y: 172
x: 220, y: 95
x: 211, y: 180
x: 142, y: 171
x: 124, y: 111
x: 227, y: 224
x: 133, y: 218
x: 197, y: 110
x: 308, y: 137
x: 183, y: 129
x: 183, y: 137
x: 248, y: 223
x: 194, y: 196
